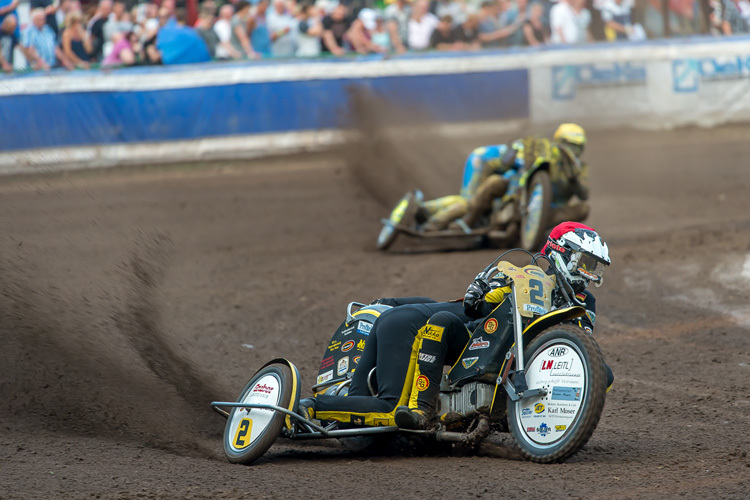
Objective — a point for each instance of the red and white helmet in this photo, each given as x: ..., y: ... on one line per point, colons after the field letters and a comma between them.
x: 578, y: 253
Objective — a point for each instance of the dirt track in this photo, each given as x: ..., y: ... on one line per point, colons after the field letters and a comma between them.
x: 128, y: 300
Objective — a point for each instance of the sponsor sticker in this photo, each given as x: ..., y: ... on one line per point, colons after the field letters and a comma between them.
x: 562, y: 393
x: 543, y: 429
x: 539, y: 408
x: 358, y: 420
x: 490, y: 326
x: 535, y: 309
x: 326, y: 362
x: 560, y: 411
x: 347, y: 331
x: 343, y: 366
x: 361, y: 345
x: 526, y: 412
x: 551, y: 364
x: 356, y: 359
x: 364, y: 327
x: 347, y: 346
x: 334, y: 345
x: 556, y: 352
x: 263, y: 388
x: 530, y: 429
x: 422, y: 383
x: 427, y: 358
x: 535, y: 272
x: 479, y: 343
x: 469, y: 362
x: 380, y: 422
x: 432, y: 332
x: 591, y: 315
x: 560, y: 428
x: 591, y: 276
x: 325, y: 377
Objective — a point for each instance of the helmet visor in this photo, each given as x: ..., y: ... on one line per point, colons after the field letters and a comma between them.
x: 589, y: 266
x: 576, y: 149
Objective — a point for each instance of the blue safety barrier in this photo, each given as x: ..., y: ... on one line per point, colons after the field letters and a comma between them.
x: 57, y: 118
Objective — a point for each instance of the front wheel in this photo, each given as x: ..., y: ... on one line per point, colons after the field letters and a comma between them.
x: 251, y: 431
x: 404, y: 210
x: 537, y: 213
x: 567, y: 362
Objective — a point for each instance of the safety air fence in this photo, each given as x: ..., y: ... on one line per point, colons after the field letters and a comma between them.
x: 224, y: 110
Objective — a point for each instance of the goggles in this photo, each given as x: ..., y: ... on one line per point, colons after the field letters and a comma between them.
x: 588, y: 266
x: 575, y: 149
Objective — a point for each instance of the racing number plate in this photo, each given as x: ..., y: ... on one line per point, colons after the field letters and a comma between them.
x: 533, y: 288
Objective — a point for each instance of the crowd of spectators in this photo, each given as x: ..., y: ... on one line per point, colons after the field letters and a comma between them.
x: 113, y: 33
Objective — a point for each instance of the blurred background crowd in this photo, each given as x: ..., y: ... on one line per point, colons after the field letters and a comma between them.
x: 43, y: 34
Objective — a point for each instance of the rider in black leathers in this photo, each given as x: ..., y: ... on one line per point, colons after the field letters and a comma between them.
x: 421, y: 335
x: 481, y: 298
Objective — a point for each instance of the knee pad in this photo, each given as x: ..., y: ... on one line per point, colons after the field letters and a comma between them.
x: 444, y: 319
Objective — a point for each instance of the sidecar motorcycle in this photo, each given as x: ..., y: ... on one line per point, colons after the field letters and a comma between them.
x: 526, y: 369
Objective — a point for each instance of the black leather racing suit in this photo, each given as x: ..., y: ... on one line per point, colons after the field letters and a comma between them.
x: 390, y: 348
x: 446, y: 347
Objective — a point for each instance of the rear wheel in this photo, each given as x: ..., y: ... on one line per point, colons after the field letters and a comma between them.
x: 405, y: 210
x: 251, y: 431
x: 537, y: 212
x: 567, y: 362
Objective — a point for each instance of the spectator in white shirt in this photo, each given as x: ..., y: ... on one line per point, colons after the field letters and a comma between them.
x: 569, y: 22
x: 223, y: 29
x: 421, y: 25
x: 616, y: 17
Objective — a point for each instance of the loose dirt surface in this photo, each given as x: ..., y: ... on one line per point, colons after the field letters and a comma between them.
x: 130, y: 299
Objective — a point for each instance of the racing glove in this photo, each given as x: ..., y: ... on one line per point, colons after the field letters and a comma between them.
x: 476, y: 291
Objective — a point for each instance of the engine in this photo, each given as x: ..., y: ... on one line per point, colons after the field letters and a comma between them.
x: 472, y: 397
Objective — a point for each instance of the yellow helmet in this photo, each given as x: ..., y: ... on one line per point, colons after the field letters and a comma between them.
x: 572, y: 135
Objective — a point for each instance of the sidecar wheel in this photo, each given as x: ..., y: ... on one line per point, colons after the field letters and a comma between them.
x: 404, y: 210
x: 567, y: 362
x: 249, y: 432
x: 538, y: 212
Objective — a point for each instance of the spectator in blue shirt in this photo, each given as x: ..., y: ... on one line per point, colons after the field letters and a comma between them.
x: 260, y: 37
x: 38, y: 42
x: 9, y: 33
x: 180, y: 44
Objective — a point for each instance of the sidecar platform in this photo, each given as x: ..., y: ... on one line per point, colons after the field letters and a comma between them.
x: 305, y: 429
x: 451, y: 233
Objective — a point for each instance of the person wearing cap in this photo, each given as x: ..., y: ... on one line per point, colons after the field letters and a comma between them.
x: 361, y: 32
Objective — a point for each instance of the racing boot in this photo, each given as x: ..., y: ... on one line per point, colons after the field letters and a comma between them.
x: 408, y: 418
x: 306, y: 408
x: 492, y: 187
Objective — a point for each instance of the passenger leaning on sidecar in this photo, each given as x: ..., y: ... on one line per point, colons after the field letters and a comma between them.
x: 576, y: 251
x: 486, y: 178
x: 391, y: 349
